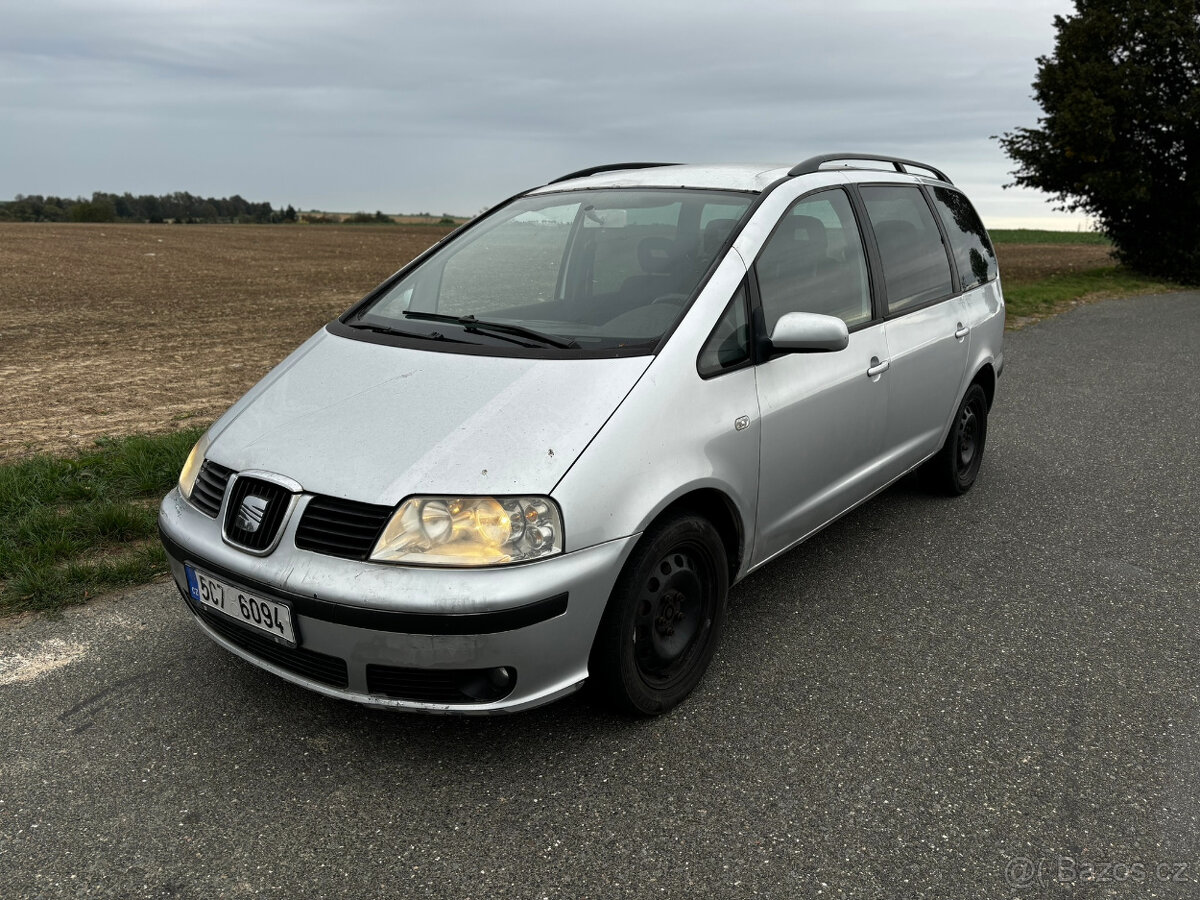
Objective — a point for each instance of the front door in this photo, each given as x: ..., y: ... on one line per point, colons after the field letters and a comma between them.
x: 823, y: 415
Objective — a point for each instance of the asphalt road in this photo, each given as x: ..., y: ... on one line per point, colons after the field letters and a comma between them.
x: 992, y: 696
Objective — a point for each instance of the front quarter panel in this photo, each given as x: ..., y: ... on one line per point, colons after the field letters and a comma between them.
x: 673, y: 434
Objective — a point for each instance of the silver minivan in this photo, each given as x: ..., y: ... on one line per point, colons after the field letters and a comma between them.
x: 541, y: 453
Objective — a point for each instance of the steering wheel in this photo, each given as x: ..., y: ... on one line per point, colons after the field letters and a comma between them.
x: 673, y: 299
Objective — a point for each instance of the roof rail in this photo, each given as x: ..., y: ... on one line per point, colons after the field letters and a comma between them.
x: 814, y: 163
x: 611, y: 167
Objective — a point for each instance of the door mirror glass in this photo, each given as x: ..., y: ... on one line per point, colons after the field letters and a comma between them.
x: 809, y: 331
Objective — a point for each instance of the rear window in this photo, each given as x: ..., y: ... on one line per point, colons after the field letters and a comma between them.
x: 973, y: 253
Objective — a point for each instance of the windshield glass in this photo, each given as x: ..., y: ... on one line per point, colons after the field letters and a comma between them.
x: 580, y: 270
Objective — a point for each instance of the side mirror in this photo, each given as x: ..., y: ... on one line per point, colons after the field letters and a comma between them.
x: 809, y: 331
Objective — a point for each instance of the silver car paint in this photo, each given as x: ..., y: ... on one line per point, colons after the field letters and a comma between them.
x: 550, y: 657
x: 923, y: 352
x: 629, y: 437
x: 829, y: 453
x: 443, y: 422
x: 822, y: 443
x: 676, y: 432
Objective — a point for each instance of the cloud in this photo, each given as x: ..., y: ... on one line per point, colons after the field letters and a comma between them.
x: 370, y: 105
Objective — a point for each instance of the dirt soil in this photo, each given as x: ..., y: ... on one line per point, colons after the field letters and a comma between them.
x: 1023, y: 263
x: 116, y: 329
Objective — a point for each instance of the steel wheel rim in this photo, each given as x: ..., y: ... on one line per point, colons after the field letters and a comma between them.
x: 968, y: 438
x: 674, y: 613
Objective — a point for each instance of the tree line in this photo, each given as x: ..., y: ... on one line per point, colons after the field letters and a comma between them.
x: 177, y: 207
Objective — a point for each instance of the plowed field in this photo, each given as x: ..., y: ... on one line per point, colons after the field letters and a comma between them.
x: 113, y: 329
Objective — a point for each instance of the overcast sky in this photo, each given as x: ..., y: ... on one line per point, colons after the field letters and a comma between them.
x: 449, y: 107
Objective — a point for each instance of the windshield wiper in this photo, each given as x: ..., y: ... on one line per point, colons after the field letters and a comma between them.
x: 400, y: 332
x: 470, y: 323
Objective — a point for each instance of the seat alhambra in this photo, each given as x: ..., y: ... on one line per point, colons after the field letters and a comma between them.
x: 541, y: 452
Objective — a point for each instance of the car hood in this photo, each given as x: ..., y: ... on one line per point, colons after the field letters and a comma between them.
x: 376, y: 423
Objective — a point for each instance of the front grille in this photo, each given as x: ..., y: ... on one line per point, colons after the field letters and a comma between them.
x: 317, y: 666
x: 438, y: 685
x: 209, y: 489
x: 255, y: 512
x: 343, y: 528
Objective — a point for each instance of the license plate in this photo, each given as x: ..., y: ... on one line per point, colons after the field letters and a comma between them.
x: 259, y: 613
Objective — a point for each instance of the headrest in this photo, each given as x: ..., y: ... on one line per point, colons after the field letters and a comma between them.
x: 656, y: 254
x: 715, y: 233
x: 809, y: 231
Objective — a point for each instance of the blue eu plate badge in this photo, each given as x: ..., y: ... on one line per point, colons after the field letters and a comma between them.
x: 193, y: 585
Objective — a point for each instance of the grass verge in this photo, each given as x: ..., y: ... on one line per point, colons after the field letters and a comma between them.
x: 1039, y: 236
x: 1038, y: 299
x: 73, y: 528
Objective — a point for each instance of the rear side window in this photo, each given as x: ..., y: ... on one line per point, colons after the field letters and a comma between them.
x: 916, y: 269
x: 973, y: 253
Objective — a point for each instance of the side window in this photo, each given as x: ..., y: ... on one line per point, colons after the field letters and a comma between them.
x: 814, y: 262
x: 916, y: 269
x: 973, y: 253
x: 729, y: 344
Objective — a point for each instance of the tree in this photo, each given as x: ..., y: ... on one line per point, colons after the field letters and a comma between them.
x: 100, y: 210
x: 1120, y: 138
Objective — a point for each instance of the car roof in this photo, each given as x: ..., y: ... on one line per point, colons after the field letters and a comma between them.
x: 736, y: 176
x: 722, y: 176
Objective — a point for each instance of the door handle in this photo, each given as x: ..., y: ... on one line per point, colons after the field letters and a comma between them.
x: 963, y: 331
x: 877, y: 367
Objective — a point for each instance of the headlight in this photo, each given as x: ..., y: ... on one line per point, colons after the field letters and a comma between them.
x: 191, y: 468
x: 470, y: 531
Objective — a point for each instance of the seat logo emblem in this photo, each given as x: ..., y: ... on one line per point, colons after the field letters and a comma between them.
x: 250, y: 514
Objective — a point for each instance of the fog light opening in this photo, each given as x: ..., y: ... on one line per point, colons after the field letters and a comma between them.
x: 490, y: 684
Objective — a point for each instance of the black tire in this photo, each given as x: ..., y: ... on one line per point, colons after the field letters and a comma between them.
x: 954, y: 469
x: 664, y: 618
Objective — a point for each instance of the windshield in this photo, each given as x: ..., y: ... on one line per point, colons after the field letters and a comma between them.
x: 597, y: 270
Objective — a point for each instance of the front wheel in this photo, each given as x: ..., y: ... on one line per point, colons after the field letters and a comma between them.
x: 956, y: 465
x: 664, y: 618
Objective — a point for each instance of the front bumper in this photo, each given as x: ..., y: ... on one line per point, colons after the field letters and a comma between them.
x: 371, y: 614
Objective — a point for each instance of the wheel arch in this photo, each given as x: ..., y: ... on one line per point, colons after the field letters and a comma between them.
x: 985, y: 377
x: 719, y: 509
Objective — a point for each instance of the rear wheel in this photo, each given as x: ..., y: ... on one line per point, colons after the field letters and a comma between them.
x: 956, y: 465
x: 664, y: 618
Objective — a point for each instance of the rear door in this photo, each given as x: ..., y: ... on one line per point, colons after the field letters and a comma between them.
x: 974, y: 256
x: 926, y: 323
x: 822, y: 414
